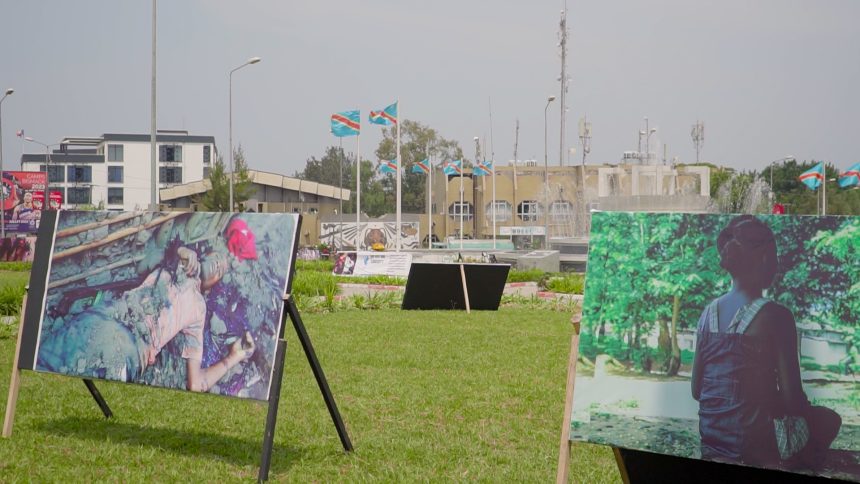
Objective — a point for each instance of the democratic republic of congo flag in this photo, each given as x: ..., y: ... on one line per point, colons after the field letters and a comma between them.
x: 422, y: 167
x: 483, y: 168
x: 452, y: 167
x: 346, y: 123
x: 388, y: 166
x: 850, y: 177
x: 814, y: 177
x: 386, y: 117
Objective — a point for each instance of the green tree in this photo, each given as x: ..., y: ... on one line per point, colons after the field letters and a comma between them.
x: 217, y: 198
x: 417, y: 141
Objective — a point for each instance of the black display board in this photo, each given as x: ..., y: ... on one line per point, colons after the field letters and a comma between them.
x: 440, y: 286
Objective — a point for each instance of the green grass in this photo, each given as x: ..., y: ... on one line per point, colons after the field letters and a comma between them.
x: 12, y: 285
x: 426, y: 396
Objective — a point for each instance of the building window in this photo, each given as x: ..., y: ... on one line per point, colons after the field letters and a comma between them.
x: 170, y: 153
x: 456, y: 208
x: 115, y: 196
x: 79, y: 195
x: 560, y: 211
x: 115, y: 153
x: 528, y: 210
x: 56, y: 174
x: 206, y: 171
x: 503, y: 211
x: 207, y: 154
x: 114, y: 174
x: 170, y: 175
x: 80, y: 174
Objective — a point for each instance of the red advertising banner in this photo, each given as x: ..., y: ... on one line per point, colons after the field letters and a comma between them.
x: 23, y: 199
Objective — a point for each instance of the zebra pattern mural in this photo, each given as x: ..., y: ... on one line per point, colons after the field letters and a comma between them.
x: 372, y: 232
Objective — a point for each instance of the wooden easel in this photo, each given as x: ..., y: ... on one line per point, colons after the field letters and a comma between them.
x: 563, y: 474
x: 291, y: 312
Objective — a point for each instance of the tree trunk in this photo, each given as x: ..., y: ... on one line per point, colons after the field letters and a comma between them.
x: 675, y: 360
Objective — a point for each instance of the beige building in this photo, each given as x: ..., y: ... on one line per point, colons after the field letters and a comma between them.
x: 271, y: 193
x: 525, y: 204
x: 528, y: 203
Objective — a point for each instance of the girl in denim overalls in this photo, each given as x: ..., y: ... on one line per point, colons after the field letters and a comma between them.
x: 746, y: 370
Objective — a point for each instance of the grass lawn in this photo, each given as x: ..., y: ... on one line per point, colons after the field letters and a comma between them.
x: 426, y: 396
x: 14, y: 278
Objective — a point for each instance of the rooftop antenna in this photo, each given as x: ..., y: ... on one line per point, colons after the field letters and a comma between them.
x: 562, y: 43
x: 698, y: 135
x: 585, y: 136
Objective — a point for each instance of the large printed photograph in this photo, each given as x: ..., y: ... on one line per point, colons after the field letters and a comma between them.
x: 189, y: 301
x: 731, y: 338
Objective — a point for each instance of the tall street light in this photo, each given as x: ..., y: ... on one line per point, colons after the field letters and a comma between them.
x: 47, y: 167
x: 783, y: 159
x: 252, y: 60
x: 2, y: 189
x: 648, y: 132
x: 546, y: 177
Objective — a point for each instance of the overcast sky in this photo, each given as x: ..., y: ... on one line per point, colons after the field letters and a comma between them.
x: 769, y: 78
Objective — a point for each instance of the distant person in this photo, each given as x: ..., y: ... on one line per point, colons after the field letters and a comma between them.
x: 746, y: 373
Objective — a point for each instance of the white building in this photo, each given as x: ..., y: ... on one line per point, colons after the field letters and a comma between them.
x: 115, y: 169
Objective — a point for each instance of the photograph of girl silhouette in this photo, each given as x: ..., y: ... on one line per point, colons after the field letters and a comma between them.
x: 723, y: 337
x: 746, y: 372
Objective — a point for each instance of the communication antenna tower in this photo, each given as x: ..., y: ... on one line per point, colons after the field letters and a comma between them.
x: 698, y: 135
x: 563, y: 33
x: 585, y: 137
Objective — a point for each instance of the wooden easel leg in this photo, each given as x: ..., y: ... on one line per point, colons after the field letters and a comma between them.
x: 97, y: 396
x: 305, y: 340
x: 622, y: 468
x: 465, y: 289
x: 12, y: 400
x: 563, y: 473
x: 272, y: 417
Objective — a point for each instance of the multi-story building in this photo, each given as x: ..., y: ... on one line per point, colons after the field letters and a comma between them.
x: 113, y: 171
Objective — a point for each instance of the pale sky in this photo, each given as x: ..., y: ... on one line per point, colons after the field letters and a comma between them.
x: 769, y: 78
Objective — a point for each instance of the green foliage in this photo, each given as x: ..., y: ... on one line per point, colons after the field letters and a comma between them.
x: 16, y: 266
x: 314, y: 284
x: 530, y: 275
x: 11, y: 297
x: 217, y: 198
x: 566, y: 283
x: 417, y: 141
x: 376, y: 280
x: 322, y: 265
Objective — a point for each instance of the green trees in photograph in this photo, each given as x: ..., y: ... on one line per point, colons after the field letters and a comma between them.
x: 655, y: 273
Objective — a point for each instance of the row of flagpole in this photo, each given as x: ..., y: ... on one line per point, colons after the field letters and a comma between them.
x: 815, y: 177
x: 348, y: 123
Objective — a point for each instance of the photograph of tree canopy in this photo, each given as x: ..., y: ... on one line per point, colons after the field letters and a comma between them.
x: 724, y: 337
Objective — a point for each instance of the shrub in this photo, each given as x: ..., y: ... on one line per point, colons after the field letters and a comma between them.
x: 531, y: 275
x: 10, y: 300
x: 568, y: 284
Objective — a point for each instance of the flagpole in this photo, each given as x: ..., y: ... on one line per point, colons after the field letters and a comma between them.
x: 824, y: 190
x: 462, y: 165
x: 429, y: 200
x: 494, y: 202
x: 447, y: 215
x: 358, y: 191
x: 340, y: 184
x: 399, y: 176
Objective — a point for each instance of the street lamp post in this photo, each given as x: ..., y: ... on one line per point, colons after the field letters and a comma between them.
x: 648, y: 133
x: 783, y: 159
x: 2, y: 190
x: 546, y: 177
x: 252, y: 60
x: 47, y: 167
